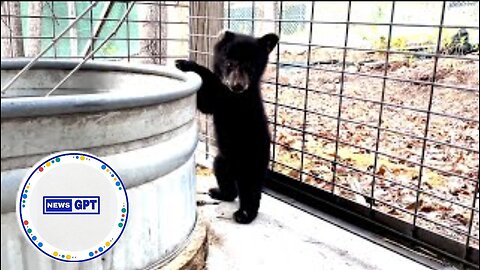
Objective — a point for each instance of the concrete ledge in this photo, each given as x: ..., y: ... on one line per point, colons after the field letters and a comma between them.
x: 285, y: 237
x: 194, y: 255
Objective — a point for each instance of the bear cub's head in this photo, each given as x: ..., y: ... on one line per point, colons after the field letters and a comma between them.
x: 240, y: 60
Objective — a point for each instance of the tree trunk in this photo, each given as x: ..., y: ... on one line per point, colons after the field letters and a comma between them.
x: 163, y: 35
x: 6, y: 42
x: 34, y: 29
x: 16, y: 26
x: 154, y: 45
x: 204, y: 30
x: 72, y: 13
x: 12, y: 29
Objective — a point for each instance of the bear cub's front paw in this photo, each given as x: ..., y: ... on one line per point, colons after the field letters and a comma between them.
x: 186, y: 65
x: 244, y: 216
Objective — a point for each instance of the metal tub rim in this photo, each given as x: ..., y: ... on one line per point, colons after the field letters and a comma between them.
x: 41, y: 106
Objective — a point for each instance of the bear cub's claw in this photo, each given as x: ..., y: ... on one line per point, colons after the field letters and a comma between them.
x: 216, y: 194
x: 244, y: 217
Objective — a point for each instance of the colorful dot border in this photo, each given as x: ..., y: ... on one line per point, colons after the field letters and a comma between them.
x: 44, y: 165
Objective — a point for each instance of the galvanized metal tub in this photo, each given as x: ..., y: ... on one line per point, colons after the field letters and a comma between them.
x: 139, y: 118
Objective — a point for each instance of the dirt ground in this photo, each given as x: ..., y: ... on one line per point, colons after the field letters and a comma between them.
x: 393, y: 180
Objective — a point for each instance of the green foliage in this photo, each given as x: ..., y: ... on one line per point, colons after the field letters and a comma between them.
x: 109, y: 49
x: 397, y: 43
x: 447, y: 37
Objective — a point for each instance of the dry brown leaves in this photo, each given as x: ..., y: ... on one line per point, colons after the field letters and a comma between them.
x: 442, y: 198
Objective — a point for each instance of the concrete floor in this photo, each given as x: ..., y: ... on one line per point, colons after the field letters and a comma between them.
x: 284, y: 237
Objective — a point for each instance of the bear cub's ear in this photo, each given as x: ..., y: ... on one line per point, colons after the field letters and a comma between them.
x: 269, y: 41
x: 225, y: 35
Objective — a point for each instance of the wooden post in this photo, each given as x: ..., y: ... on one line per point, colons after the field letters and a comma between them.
x: 203, y: 30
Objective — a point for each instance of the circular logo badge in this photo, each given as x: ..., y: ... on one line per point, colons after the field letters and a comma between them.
x: 72, y: 206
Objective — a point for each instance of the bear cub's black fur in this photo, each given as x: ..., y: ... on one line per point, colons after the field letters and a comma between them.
x: 232, y: 94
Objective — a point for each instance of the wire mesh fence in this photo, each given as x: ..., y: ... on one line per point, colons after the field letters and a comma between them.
x: 374, y: 102
x: 142, y: 37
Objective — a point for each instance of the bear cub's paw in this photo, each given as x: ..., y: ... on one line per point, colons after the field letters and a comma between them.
x: 186, y: 65
x: 216, y: 194
x: 244, y: 217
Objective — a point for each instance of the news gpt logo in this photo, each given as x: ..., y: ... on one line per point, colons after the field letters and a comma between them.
x: 72, y: 206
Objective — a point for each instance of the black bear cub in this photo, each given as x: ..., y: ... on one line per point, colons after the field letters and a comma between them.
x: 232, y: 94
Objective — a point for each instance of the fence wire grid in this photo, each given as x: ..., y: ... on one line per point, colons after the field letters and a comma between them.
x: 374, y: 102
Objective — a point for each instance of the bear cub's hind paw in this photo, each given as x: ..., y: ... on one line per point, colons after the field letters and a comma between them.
x: 244, y: 217
x: 216, y: 194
